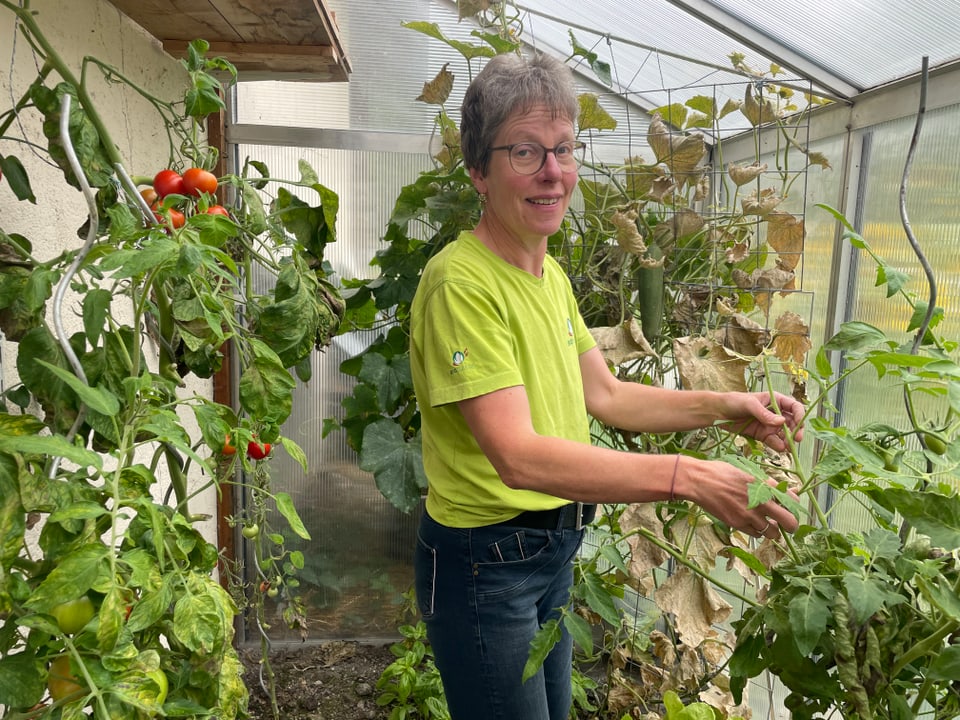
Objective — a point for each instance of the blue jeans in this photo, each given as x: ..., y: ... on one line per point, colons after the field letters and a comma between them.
x: 483, y: 594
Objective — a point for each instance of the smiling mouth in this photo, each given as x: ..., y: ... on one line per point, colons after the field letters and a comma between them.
x: 547, y: 201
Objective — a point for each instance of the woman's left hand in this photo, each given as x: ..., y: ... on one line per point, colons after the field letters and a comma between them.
x: 755, y: 415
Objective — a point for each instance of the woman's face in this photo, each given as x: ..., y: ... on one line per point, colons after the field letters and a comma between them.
x: 527, y: 207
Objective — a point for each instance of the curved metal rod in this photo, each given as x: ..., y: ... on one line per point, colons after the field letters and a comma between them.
x: 94, y: 218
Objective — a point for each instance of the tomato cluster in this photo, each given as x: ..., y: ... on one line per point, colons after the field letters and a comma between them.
x: 194, y: 182
x: 255, y: 450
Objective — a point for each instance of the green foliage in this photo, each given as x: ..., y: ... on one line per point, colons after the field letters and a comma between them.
x: 95, y: 432
x: 410, y: 686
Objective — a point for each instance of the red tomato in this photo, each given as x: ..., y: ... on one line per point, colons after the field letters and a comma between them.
x: 198, y: 180
x: 167, y: 182
x: 228, y: 449
x: 218, y: 210
x: 256, y: 451
x: 171, y: 216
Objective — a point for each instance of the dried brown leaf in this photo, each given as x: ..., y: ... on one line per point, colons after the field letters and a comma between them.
x: 622, y: 343
x: 757, y: 111
x: 469, y: 8
x: 743, y: 335
x: 438, y: 90
x: 705, y: 364
x: 760, y: 203
x: 792, y: 339
x: 628, y: 235
x: 644, y: 554
x: 737, y: 252
x: 694, y: 603
x: 683, y: 154
x: 785, y: 233
x: 742, y: 174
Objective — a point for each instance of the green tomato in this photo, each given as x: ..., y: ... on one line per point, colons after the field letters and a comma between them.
x: 251, y: 531
x: 934, y: 444
x: 73, y: 615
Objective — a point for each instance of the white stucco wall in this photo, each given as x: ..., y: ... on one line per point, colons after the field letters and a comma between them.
x: 79, y: 28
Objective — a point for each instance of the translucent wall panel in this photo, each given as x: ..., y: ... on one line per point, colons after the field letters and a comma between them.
x: 358, y: 560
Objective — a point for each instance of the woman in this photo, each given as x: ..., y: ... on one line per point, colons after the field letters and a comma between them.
x: 506, y: 375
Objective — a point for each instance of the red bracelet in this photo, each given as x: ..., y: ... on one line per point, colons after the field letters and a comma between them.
x: 673, y: 480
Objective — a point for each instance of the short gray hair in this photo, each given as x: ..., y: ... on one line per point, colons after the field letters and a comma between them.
x: 510, y: 84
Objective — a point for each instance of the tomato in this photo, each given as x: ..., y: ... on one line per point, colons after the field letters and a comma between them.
x: 168, y: 182
x: 272, y: 592
x: 227, y: 448
x: 73, y: 615
x: 218, y: 210
x: 934, y: 443
x: 172, y: 216
x: 198, y: 180
x: 61, y: 682
x: 150, y: 196
x: 256, y: 451
x: 250, y: 531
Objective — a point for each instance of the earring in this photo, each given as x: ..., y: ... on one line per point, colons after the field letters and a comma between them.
x: 483, y: 199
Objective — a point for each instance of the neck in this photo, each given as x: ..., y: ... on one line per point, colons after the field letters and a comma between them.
x: 524, y: 253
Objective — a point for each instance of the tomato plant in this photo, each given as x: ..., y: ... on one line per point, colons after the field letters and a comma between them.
x: 168, y: 182
x: 94, y: 452
x: 198, y: 180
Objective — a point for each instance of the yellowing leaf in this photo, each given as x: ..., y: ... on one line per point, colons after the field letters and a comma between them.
x: 683, y: 154
x: 592, y: 115
x: 438, y: 90
x: 628, y: 236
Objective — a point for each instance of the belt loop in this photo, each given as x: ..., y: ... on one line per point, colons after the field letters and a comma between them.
x: 579, y: 525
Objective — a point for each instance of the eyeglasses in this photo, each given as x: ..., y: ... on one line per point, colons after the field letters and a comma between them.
x: 528, y: 158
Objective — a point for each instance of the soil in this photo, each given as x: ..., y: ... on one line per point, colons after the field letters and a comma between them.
x: 334, y: 680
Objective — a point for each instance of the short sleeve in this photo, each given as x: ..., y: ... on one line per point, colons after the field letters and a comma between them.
x: 466, y: 344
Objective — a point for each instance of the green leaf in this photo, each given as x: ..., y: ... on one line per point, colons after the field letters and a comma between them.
x: 286, y: 508
x: 391, y: 378
x: 52, y: 445
x: 73, y: 575
x: 598, y: 596
x: 541, y: 645
x: 155, y: 252
x: 809, y: 612
x: 580, y: 630
x: 396, y: 463
x: 468, y: 50
x: 96, y: 304
x: 947, y: 665
x: 254, y: 215
x: 199, y: 623
x: 891, y: 277
x: 749, y: 559
x: 295, y: 451
x: 855, y: 335
x: 21, y: 680
x: 933, y: 514
x: 865, y: 595
x: 99, y: 399
x: 674, y: 114
x: 266, y: 388
x: 16, y: 176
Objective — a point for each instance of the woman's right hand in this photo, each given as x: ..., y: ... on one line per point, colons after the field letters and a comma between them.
x: 722, y: 490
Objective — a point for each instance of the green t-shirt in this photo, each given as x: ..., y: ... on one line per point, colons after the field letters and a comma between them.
x: 478, y: 325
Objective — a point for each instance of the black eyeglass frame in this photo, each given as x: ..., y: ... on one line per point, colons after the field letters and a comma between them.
x: 577, y: 145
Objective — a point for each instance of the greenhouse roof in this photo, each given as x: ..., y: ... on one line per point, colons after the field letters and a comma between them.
x: 843, y: 47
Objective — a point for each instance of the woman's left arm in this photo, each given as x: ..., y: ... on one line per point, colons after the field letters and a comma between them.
x: 643, y: 408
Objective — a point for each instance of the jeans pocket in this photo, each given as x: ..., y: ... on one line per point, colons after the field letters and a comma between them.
x: 425, y: 576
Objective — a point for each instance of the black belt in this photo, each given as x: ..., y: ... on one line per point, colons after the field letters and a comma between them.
x: 566, y: 517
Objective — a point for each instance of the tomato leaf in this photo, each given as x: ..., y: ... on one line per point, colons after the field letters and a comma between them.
x: 73, y: 575
x: 286, y: 508
x: 541, y: 645
x: 16, y: 175
x: 98, y: 398
x: 266, y: 388
x: 21, y: 680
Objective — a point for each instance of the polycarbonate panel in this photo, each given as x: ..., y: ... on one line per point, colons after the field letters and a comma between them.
x: 870, y: 42
x: 358, y: 558
x: 934, y: 215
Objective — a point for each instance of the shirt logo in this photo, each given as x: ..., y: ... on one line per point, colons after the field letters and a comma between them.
x: 569, y: 327
x: 459, y: 357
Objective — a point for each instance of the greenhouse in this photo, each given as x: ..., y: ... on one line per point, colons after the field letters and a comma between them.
x: 221, y: 482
